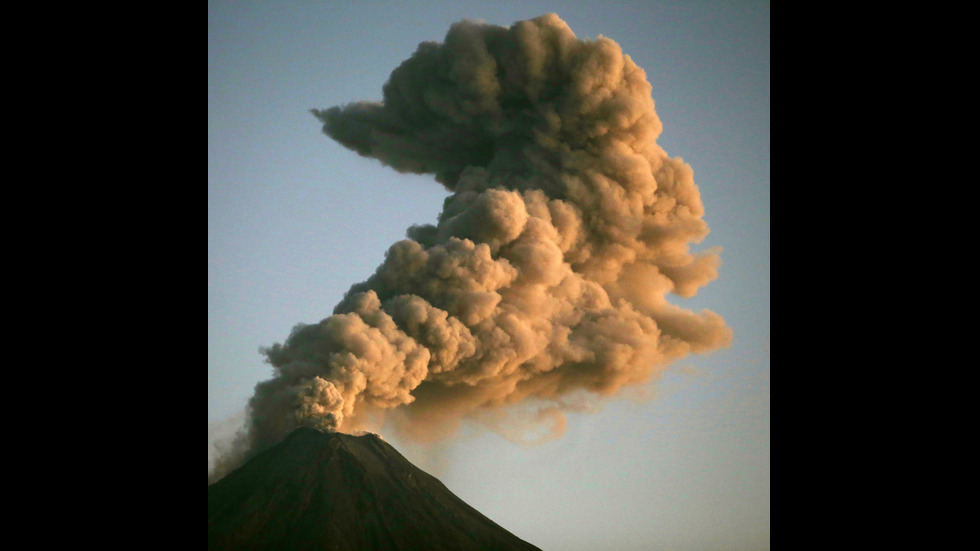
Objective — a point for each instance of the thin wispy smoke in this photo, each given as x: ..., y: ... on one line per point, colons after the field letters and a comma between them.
x: 547, y: 273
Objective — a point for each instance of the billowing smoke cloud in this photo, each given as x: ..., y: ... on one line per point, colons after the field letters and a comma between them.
x: 545, y: 276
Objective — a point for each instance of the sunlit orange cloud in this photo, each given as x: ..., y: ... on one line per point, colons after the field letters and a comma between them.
x: 548, y: 271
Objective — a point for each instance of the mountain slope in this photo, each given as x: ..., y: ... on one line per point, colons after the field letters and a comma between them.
x: 319, y: 490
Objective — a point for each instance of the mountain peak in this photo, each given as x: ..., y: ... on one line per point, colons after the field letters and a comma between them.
x: 330, y: 490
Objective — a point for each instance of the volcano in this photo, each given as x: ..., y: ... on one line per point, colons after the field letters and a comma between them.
x: 327, y: 490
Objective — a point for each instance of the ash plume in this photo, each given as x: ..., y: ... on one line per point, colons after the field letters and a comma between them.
x: 545, y: 276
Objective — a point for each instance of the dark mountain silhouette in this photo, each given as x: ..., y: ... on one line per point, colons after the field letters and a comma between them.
x: 322, y: 490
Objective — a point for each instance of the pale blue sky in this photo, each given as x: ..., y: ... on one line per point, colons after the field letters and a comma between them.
x: 294, y: 219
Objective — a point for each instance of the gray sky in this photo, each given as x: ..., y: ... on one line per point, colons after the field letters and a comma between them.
x: 294, y: 219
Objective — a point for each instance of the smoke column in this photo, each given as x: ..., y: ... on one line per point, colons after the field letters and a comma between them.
x: 546, y: 275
